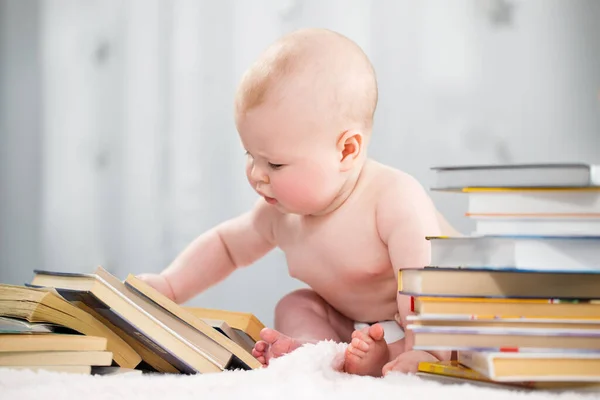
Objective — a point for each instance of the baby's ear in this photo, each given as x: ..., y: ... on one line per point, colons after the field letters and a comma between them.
x: 350, y: 146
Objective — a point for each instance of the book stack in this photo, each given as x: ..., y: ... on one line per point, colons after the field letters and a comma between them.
x: 138, y: 328
x: 518, y: 298
x: 40, y: 347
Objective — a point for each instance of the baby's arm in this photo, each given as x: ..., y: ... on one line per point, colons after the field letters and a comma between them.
x: 215, y: 254
x: 405, y: 216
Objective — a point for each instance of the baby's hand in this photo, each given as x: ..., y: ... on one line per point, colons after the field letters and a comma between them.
x: 408, y: 363
x: 159, y: 283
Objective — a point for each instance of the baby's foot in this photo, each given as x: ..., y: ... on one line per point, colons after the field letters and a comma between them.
x: 408, y: 363
x: 273, y: 344
x: 367, y: 352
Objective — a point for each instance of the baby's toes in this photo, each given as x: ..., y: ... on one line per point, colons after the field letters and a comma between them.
x: 260, y: 356
x: 360, y: 344
x: 389, y: 367
x: 362, y: 334
x: 256, y: 353
x: 261, y: 346
x: 354, y: 351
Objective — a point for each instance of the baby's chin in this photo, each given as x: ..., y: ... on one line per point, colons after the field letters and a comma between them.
x: 296, y: 210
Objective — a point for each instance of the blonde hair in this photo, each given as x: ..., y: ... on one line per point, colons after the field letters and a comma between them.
x: 318, y: 59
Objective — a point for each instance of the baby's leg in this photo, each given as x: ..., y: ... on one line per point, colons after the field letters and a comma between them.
x: 301, y: 317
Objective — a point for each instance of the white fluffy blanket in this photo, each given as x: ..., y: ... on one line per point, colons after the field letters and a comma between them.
x: 307, y: 373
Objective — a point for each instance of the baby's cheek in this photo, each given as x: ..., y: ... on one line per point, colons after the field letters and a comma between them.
x: 294, y: 192
x: 304, y: 191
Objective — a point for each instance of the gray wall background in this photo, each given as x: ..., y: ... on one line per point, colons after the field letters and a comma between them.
x: 117, y: 144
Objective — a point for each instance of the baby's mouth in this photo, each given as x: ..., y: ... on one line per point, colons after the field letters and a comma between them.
x: 270, y: 200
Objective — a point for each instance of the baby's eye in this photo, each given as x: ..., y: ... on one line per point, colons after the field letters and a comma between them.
x: 275, y: 166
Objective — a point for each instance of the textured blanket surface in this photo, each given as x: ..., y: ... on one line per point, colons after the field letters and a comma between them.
x: 308, y: 373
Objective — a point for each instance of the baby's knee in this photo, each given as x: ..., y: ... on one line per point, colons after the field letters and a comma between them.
x: 301, y: 298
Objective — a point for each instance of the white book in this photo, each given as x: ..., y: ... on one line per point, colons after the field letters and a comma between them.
x: 574, y: 253
x: 518, y: 175
x: 537, y: 226
x: 533, y: 202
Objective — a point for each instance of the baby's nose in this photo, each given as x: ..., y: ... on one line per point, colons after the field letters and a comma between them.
x: 259, y: 176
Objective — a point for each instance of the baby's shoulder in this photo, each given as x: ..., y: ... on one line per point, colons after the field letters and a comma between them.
x: 398, y: 192
x: 387, y: 180
x: 403, y: 201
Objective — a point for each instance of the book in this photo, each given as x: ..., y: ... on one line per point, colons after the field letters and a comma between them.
x: 536, y: 225
x: 504, y: 339
x: 234, y: 335
x: 454, y: 369
x: 475, y: 322
x: 241, y: 357
x: 447, y: 379
x: 13, y: 325
x: 534, y: 202
x: 152, y: 358
x: 112, y: 371
x: 517, y: 175
x: 181, y: 345
x: 451, y: 368
x: 534, y: 212
x: 492, y: 282
x: 518, y: 367
x: 68, y: 369
x: 50, y: 342
x: 39, y: 358
x: 241, y: 321
x: 452, y: 372
x: 489, y: 308
x: 576, y: 253
x: 45, y: 305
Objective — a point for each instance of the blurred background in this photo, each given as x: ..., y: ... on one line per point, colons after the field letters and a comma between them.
x: 117, y: 141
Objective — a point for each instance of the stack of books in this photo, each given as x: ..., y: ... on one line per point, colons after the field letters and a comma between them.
x: 39, y: 347
x: 518, y: 299
x: 125, y: 325
x: 542, y: 199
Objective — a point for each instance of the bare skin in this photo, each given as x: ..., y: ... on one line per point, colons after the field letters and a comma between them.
x: 346, y: 223
x: 353, y: 274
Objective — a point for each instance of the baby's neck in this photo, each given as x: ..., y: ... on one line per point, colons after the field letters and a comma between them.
x: 346, y: 190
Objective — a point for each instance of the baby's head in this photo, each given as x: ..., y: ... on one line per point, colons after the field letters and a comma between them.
x: 304, y: 112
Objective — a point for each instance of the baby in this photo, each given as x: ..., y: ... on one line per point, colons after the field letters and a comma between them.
x: 304, y: 113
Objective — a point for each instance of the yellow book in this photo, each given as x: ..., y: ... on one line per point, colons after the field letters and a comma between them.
x: 46, y: 305
x: 187, y: 317
x: 456, y: 373
x: 529, y: 366
x: 480, y: 308
x: 451, y: 368
x: 245, y: 322
x: 236, y: 335
x: 69, y: 369
x: 50, y: 342
x: 40, y: 358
